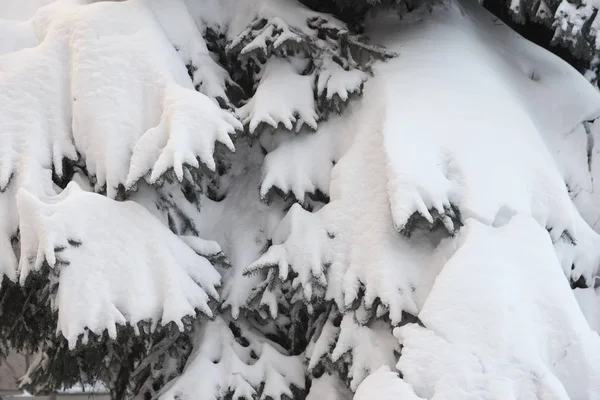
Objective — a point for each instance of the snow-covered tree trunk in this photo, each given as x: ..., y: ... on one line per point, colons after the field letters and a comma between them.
x: 251, y: 227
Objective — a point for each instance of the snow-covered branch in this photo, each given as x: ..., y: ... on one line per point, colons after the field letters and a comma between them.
x: 301, y: 253
x: 331, y: 64
x: 554, y: 355
x: 141, y: 271
x: 233, y: 359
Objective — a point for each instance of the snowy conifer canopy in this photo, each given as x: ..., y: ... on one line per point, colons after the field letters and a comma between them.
x: 485, y: 341
x: 151, y: 276
x: 423, y: 162
x: 227, y: 199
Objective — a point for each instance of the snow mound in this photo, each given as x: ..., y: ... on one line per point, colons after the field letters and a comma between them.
x: 452, y: 157
x: 114, y: 263
x: 232, y: 359
x: 494, y: 329
x: 384, y: 384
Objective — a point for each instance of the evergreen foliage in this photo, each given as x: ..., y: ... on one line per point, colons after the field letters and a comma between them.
x: 313, y: 54
x: 171, y: 223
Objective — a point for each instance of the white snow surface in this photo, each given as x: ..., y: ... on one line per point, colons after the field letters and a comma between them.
x: 425, y: 136
x: 384, y: 384
x: 182, y: 31
x: 301, y: 164
x: 497, y: 130
x: 116, y: 263
x: 272, y: 102
x: 501, y: 323
x: 482, y: 119
x: 589, y: 302
x: 489, y: 162
x: 448, y: 141
x: 102, y: 80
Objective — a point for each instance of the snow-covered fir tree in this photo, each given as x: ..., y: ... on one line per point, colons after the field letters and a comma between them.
x: 326, y: 200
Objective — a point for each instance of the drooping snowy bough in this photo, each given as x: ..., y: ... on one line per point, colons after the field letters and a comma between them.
x: 252, y: 243
x: 500, y: 323
x: 501, y: 129
x: 141, y: 100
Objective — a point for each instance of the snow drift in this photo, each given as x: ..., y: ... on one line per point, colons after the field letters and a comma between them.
x: 500, y: 323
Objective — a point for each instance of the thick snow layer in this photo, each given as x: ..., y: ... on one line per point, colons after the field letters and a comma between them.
x: 482, y: 137
x: 301, y: 164
x: 501, y: 323
x: 416, y: 140
x: 181, y: 29
x: 115, y: 262
x: 448, y: 141
x: 102, y: 81
x: 222, y: 364
x: 272, y: 103
x: 385, y: 384
x: 394, y: 269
